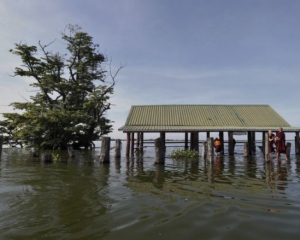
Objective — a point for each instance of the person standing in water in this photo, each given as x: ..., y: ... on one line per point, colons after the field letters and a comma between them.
x: 280, y: 143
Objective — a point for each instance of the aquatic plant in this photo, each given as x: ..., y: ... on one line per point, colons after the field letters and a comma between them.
x: 184, y: 154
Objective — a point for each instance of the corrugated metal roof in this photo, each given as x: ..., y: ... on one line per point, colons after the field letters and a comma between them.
x: 154, y: 118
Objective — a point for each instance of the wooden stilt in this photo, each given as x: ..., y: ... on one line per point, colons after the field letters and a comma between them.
x: 210, y: 149
x: 186, y: 139
x: 105, y: 148
x: 253, y: 142
x: 118, y: 148
x: 128, y: 145
x: 159, y: 151
x: 288, y: 149
x: 246, y: 149
x: 221, y: 137
x: 297, y: 144
x: 132, y: 145
x: 263, y: 142
x: 142, y: 143
x: 249, y: 140
x: 204, y: 149
x: 266, y: 146
x: 230, y: 144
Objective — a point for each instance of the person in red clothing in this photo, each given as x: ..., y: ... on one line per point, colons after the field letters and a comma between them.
x: 217, y: 145
x: 280, y: 143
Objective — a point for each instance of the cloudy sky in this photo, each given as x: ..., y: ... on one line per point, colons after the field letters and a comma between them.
x: 175, y: 52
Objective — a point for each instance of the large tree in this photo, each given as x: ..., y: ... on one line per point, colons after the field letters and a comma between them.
x: 71, y: 98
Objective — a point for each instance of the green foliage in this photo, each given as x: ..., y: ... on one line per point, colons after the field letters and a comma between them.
x: 184, y: 154
x: 72, y: 95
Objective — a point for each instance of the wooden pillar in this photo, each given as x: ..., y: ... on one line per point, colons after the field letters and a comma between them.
x: 221, y: 137
x: 246, y: 149
x: 207, y: 135
x: 105, y: 148
x: 128, y: 144
x: 249, y: 140
x: 186, y: 139
x: 196, y: 141
x: 230, y: 144
x: 263, y: 142
x: 138, y: 141
x: 288, y: 149
x: 141, y: 142
x: 118, y: 148
x: 297, y: 144
x: 159, y: 151
x: 266, y: 145
x: 253, y: 142
x: 192, y: 141
x: 204, y: 149
x: 210, y: 149
x: 163, y: 138
x: 132, y: 145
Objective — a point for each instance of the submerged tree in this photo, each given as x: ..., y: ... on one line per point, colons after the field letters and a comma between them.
x: 72, y: 97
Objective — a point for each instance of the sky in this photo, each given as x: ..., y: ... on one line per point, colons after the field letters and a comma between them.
x: 174, y: 52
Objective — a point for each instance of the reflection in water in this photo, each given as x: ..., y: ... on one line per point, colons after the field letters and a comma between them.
x: 83, y: 199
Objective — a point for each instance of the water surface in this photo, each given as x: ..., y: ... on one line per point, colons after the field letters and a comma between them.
x: 80, y: 198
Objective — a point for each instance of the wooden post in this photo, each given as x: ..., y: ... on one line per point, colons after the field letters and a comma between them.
x: 288, y: 149
x: 142, y: 143
x: 221, y: 137
x: 138, y: 142
x: 71, y: 151
x: 163, y: 138
x: 207, y: 135
x: 132, y: 145
x: 159, y: 151
x: 210, y: 149
x: 47, y: 157
x: 297, y: 144
x: 192, y: 141
x: 204, y: 149
x: 263, y: 141
x: 246, y: 150
x: 105, y: 148
x: 253, y: 142
x: 266, y: 145
x: 196, y: 140
x: 249, y: 140
x: 128, y: 145
x: 230, y: 144
x: 1, y: 143
x: 118, y: 148
x: 186, y: 139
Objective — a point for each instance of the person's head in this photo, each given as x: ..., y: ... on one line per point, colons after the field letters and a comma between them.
x: 280, y: 129
x: 270, y: 132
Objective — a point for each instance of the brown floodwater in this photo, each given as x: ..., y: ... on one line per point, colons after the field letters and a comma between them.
x: 231, y: 198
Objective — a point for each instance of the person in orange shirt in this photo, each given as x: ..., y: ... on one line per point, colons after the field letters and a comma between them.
x: 217, y: 145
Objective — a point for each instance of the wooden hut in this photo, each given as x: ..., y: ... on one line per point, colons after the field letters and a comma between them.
x: 193, y: 120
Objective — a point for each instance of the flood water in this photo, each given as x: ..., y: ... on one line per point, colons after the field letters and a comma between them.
x: 231, y: 198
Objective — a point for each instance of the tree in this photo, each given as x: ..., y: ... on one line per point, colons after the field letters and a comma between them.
x: 72, y: 94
